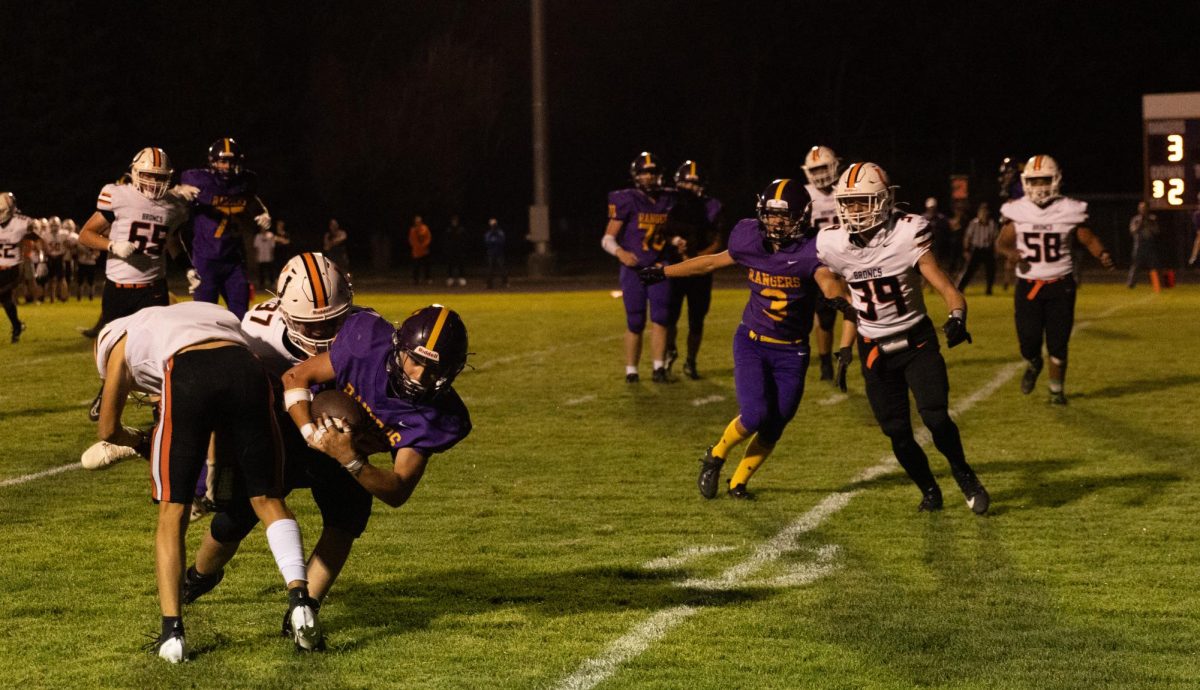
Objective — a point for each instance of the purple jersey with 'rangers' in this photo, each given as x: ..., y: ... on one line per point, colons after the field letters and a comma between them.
x: 359, y: 356
x: 640, y: 218
x: 220, y: 206
x: 782, y: 289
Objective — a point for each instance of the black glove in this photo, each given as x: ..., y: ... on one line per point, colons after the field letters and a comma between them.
x: 955, y: 328
x: 651, y: 275
x: 844, y: 357
x: 844, y: 306
x: 143, y: 445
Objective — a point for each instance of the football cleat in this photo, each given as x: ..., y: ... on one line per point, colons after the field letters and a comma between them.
x: 104, y: 454
x: 660, y: 376
x: 172, y: 647
x: 196, y: 585
x: 672, y: 356
x: 1058, y: 398
x: 977, y: 497
x: 979, y: 501
x: 740, y: 492
x: 17, y: 331
x: 1029, y: 379
x: 710, y: 474
x: 827, y: 371
x: 632, y: 378
x: 689, y: 370
x: 930, y: 501
x: 301, y: 624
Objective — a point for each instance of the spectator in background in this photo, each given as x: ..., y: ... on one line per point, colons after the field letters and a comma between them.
x: 335, y: 245
x: 944, y: 248
x: 455, y: 243
x: 494, y: 241
x: 1144, y: 229
x: 264, y: 254
x: 419, y: 241
x: 979, y: 247
x: 281, y: 240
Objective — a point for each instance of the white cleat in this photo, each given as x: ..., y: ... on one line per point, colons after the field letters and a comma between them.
x: 173, y: 649
x: 104, y: 454
x: 306, y: 629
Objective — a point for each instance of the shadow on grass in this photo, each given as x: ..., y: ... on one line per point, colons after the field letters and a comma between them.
x: 1139, y: 386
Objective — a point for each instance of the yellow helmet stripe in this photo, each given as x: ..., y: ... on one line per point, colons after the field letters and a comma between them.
x: 226, y: 142
x: 693, y: 169
x: 779, y: 189
x: 320, y: 298
x: 437, y: 329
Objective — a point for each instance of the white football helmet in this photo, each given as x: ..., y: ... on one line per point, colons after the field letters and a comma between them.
x: 8, y: 206
x: 821, y: 166
x: 865, y: 197
x: 1041, y: 179
x: 315, y: 297
x: 69, y: 225
x: 151, y: 172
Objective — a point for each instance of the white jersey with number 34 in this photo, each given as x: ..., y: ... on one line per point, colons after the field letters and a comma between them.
x: 885, y: 284
x: 1044, y: 235
x: 144, y: 221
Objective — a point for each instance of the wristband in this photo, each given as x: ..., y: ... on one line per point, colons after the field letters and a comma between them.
x: 610, y: 244
x: 292, y: 396
x: 355, y: 466
x: 308, y: 430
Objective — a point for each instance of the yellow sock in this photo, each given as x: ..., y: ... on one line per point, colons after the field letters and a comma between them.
x: 734, y: 434
x: 756, y: 455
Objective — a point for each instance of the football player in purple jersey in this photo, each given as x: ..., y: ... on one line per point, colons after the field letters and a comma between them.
x: 223, y: 198
x: 402, y: 378
x: 634, y: 236
x: 770, y: 347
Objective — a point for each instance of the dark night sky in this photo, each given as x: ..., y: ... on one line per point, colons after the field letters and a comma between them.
x: 373, y: 112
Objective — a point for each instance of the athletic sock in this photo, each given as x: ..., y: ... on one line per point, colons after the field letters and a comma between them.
x: 1056, y: 385
x: 630, y: 370
x: 659, y: 364
x: 733, y: 435
x: 914, y: 461
x: 756, y: 455
x: 283, y: 536
x: 171, y: 624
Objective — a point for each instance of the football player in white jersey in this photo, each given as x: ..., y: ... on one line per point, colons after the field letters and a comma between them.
x: 194, y: 356
x: 821, y: 169
x: 883, y: 254
x: 315, y: 298
x: 57, y: 241
x: 15, y: 229
x: 1039, y: 233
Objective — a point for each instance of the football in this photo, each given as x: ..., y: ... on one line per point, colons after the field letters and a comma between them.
x: 368, y: 438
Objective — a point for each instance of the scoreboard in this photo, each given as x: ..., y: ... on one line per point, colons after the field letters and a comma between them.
x: 1171, y: 146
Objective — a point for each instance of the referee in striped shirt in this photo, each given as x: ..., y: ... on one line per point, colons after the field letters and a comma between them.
x: 979, y: 247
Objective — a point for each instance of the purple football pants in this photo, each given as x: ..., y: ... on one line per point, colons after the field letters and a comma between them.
x: 635, y: 294
x: 769, y: 379
x: 223, y: 279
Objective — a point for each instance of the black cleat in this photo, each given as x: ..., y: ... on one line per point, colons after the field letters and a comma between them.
x: 632, y: 378
x: 17, y: 331
x: 977, y: 497
x: 196, y: 585
x: 89, y: 332
x: 1058, y: 398
x: 94, y: 410
x: 827, y: 370
x: 672, y: 356
x: 979, y: 501
x: 740, y: 492
x: 710, y: 474
x: 931, y: 501
x: 660, y: 376
x: 1029, y: 380
x: 689, y: 370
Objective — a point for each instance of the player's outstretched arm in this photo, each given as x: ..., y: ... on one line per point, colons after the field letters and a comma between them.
x: 1094, y: 246
x: 701, y: 265
x: 393, y: 486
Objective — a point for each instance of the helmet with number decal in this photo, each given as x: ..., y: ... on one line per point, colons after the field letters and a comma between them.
x: 8, y: 206
x: 225, y: 157
x: 1041, y: 179
x: 315, y: 297
x: 865, y: 198
x: 820, y: 167
x: 691, y: 176
x: 784, y: 211
x: 428, y: 351
x: 150, y: 172
x: 646, y: 172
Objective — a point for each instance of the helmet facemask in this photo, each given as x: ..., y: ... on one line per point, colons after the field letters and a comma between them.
x: 859, y: 213
x: 821, y: 175
x: 1041, y: 189
x: 417, y: 375
x: 780, y: 224
x: 7, y: 207
x: 315, y: 337
x: 152, y: 184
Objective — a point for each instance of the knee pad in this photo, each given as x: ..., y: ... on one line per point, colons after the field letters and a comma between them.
x: 753, y: 418
x: 635, y: 321
x: 1058, y: 361
x: 232, y: 527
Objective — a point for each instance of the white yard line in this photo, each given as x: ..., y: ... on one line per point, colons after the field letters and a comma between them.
x: 834, y: 399
x: 535, y: 354
x: 580, y: 400
x: 698, y: 402
x: 633, y: 643
x: 684, y: 556
x: 40, y: 475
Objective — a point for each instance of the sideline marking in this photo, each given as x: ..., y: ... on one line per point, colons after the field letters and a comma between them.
x: 682, y: 556
x: 707, y: 400
x: 533, y: 354
x: 39, y: 475
x: 581, y: 400
x: 834, y: 399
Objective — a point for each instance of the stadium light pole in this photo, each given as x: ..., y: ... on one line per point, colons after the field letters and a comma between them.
x: 541, y: 260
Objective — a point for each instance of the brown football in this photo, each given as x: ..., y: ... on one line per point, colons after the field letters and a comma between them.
x: 368, y: 438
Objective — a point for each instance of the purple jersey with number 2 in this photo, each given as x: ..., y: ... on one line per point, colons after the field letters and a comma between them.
x: 782, y: 289
x: 359, y: 356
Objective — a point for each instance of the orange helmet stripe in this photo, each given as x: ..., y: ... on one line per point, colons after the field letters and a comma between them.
x: 320, y: 298
x: 1037, y: 163
x: 852, y: 178
x: 437, y: 328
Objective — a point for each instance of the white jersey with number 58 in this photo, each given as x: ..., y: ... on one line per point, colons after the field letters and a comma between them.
x: 146, y: 222
x: 1044, y: 235
x: 885, y: 284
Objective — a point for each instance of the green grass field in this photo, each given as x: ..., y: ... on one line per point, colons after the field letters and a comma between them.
x: 564, y: 544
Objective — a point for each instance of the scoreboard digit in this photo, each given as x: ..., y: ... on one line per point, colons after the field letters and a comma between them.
x: 1171, y: 140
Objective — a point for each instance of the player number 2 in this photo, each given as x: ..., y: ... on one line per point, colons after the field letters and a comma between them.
x: 879, y: 292
x: 777, y: 309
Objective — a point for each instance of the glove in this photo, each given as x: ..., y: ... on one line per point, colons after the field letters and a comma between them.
x: 184, y: 192
x: 955, y: 328
x: 193, y: 280
x: 651, y: 275
x: 122, y: 249
x: 41, y: 271
x: 844, y: 357
x: 263, y: 220
x: 843, y: 305
x: 1106, y: 260
x: 1023, y: 266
